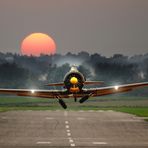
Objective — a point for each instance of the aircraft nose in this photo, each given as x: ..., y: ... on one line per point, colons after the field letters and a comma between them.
x: 73, y: 80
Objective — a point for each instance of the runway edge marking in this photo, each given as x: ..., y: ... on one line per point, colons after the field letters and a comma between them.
x: 43, y: 142
x: 101, y: 143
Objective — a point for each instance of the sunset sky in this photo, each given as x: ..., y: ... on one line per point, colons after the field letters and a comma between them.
x: 103, y: 26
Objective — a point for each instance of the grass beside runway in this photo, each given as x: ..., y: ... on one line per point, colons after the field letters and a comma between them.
x: 133, y: 105
x: 139, y: 111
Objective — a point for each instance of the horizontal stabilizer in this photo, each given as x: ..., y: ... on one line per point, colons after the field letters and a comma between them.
x: 55, y: 84
x: 93, y: 82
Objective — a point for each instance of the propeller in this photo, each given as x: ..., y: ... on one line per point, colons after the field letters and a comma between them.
x: 73, y: 78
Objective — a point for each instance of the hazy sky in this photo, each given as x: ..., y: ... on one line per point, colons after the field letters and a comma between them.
x: 103, y: 26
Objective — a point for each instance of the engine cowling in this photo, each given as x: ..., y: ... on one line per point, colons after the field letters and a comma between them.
x: 74, y: 81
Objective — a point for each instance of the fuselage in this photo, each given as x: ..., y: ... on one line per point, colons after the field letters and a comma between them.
x: 74, y: 80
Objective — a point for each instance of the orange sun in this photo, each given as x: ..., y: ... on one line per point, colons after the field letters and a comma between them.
x: 38, y: 43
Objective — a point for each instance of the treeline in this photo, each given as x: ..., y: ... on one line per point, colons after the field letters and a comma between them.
x: 17, y: 71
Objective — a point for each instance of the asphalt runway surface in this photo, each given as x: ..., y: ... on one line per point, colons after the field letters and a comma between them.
x: 72, y: 129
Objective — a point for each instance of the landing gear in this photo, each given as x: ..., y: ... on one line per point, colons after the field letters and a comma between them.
x: 83, y: 99
x: 62, y: 103
x: 75, y: 99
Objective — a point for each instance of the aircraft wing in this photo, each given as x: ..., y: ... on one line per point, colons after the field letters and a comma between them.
x: 35, y: 93
x: 64, y: 94
x: 93, y: 82
x: 114, y: 89
x: 55, y: 84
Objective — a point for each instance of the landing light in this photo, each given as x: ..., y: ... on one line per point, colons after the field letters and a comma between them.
x: 116, y: 87
x: 32, y: 91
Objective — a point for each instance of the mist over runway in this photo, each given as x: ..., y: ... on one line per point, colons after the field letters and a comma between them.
x: 72, y: 129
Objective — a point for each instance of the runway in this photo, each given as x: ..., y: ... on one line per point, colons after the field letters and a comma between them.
x: 72, y: 129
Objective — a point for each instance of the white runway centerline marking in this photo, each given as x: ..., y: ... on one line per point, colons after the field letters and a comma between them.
x: 67, y: 126
x: 68, y: 134
x: 72, y: 144
x: 68, y: 131
x: 65, y: 113
x: 66, y: 122
x: 43, y: 142
x: 100, y: 143
x: 71, y: 140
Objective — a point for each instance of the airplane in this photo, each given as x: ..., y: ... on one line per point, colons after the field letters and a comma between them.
x: 73, y: 84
